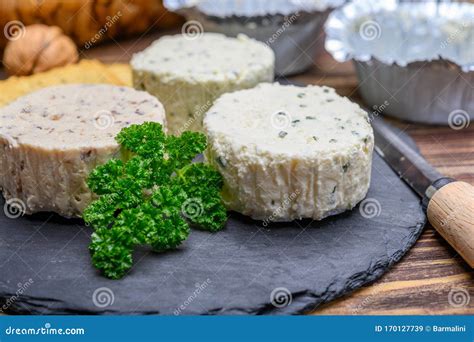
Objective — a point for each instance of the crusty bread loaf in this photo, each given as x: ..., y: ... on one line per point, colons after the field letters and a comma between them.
x: 88, y: 22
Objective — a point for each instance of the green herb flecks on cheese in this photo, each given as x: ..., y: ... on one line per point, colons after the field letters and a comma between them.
x: 187, y: 75
x: 280, y: 140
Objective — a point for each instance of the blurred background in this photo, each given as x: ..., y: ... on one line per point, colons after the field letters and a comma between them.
x: 91, y: 23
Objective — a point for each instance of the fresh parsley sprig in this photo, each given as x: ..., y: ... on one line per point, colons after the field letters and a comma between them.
x: 151, y: 196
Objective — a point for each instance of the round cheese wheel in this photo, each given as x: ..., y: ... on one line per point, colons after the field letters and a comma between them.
x: 187, y: 73
x: 290, y: 152
x: 51, y: 139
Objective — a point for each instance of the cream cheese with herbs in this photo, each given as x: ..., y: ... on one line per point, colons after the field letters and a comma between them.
x: 188, y: 73
x: 51, y: 139
x: 290, y: 152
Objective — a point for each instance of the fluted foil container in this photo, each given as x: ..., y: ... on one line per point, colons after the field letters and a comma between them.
x: 413, y: 60
x: 292, y: 28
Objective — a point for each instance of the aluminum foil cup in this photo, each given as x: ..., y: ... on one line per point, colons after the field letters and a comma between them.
x: 292, y: 28
x: 414, y: 59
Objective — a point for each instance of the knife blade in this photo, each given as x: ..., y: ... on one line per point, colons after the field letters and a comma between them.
x: 401, y: 157
x: 449, y: 204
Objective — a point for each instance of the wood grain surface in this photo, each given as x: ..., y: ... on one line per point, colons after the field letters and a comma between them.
x: 431, y: 278
x: 451, y: 212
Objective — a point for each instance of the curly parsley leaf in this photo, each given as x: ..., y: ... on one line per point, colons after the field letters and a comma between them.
x: 201, y: 182
x: 151, y: 196
x: 147, y: 139
x: 111, y: 250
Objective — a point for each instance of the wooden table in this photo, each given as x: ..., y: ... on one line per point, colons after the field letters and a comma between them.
x: 422, y: 281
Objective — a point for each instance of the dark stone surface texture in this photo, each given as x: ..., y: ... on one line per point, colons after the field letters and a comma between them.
x: 231, y: 272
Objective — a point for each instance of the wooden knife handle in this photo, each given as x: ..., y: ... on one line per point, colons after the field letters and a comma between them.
x: 451, y: 212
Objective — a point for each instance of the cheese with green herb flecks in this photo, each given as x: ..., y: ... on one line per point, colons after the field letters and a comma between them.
x: 51, y: 139
x: 289, y: 152
x: 188, y: 73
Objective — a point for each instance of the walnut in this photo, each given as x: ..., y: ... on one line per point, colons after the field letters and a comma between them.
x: 38, y: 49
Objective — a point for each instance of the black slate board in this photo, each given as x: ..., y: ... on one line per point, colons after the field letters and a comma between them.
x: 232, y: 272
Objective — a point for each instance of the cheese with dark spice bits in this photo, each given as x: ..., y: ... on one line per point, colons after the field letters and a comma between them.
x: 51, y: 139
